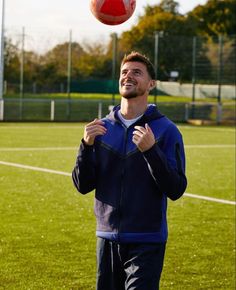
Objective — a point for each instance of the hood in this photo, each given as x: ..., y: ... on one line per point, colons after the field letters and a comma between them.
x: 152, y: 113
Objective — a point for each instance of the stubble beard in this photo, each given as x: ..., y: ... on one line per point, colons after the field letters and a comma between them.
x: 133, y: 94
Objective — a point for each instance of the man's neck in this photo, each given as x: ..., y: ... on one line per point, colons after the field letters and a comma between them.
x: 133, y: 108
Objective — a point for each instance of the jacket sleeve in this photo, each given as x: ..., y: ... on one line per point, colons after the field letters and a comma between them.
x: 83, y: 174
x: 166, y: 162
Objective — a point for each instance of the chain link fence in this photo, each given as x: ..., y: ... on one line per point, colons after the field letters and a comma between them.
x: 37, y: 63
x: 85, y: 111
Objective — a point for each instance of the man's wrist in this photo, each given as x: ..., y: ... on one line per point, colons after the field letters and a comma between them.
x: 86, y: 143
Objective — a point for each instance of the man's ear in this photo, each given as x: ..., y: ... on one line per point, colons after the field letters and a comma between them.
x: 152, y: 85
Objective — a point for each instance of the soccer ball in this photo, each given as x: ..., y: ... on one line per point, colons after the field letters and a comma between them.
x: 112, y: 12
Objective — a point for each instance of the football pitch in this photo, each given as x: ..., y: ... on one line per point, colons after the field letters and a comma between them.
x: 47, y: 229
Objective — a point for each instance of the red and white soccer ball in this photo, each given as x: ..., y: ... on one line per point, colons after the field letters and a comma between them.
x: 112, y: 12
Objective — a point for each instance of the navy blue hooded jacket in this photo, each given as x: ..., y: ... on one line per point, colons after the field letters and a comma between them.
x: 131, y: 187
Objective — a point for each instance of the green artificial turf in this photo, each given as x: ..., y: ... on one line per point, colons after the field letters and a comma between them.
x: 47, y: 229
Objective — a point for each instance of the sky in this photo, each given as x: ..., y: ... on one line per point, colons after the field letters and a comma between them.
x: 53, y: 19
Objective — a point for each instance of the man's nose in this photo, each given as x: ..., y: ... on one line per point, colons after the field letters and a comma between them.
x: 129, y: 73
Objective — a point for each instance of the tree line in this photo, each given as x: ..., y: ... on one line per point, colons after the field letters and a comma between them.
x: 208, y: 24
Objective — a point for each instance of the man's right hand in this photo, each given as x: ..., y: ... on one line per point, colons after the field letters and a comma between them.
x: 92, y: 130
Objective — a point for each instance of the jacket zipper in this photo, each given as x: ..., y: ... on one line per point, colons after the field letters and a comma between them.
x: 122, y: 181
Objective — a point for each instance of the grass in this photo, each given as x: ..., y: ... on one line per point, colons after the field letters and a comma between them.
x: 104, y: 97
x: 47, y: 229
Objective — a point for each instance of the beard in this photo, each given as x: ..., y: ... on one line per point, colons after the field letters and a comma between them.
x: 131, y: 94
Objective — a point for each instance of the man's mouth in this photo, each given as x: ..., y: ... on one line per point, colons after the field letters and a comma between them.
x: 128, y: 84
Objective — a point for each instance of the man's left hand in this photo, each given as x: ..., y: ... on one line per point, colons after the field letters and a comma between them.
x: 143, y: 137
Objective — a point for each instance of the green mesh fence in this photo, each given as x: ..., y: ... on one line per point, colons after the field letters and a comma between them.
x: 86, y: 110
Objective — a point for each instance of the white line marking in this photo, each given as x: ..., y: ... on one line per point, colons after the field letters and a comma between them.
x: 69, y: 174
x: 36, y: 148
x: 12, y: 149
x: 34, y: 168
x: 41, y: 127
x: 76, y: 126
x: 210, y: 198
x: 226, y: 129
x: 211, y: 146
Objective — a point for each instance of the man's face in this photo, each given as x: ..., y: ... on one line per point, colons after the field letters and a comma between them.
x: 134, y: 80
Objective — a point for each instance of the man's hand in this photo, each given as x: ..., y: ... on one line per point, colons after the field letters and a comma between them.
x: 92, y: 130
x: 143, y: 137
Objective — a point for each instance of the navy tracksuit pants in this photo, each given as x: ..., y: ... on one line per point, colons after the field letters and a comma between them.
x: 129, y: 266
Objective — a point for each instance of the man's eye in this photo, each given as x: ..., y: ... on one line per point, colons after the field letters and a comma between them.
x: 137, y: 73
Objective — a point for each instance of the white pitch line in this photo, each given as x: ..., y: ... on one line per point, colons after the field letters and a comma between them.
x: 11, y: 149
x: 210, y: 198
x: 50, y: 126
x: 207, y: 128
x: 4, y: 149
x: 41, y: 127
x: 34, y: 168
x: 69, y: 174
x: 210, y: 146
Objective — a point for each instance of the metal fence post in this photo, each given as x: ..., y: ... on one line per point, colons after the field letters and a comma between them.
x: 114, y: 63
x: 219, y: 113
x: 2, y: 51
x: 1, y: 110
x: 100, y: 110
x: 220, y: 67
x: 52, y: 115
x: 186, y: 115
x: 156, y: 47
x: 69, y: 77
x: 22, y: 61
x: 69, y: 66
x: 194, y: 68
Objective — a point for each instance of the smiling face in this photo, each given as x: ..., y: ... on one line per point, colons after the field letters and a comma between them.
x: 134, y: 80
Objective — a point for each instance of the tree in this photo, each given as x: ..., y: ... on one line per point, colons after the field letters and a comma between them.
x: 174, y: 51
x: 55, y: 63
x: 214, y: 18
x: 170, y: 6
x: 11, y: 62
x: 174, y: 32
x: 95, y: 62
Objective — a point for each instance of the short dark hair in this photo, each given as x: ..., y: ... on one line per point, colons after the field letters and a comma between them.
x: 136, y: 56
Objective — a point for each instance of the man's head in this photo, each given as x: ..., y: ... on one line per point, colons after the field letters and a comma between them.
x: 137, y: 76
x: 138, y: 57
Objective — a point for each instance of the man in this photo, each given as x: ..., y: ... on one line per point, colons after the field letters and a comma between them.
x: 134, y: 159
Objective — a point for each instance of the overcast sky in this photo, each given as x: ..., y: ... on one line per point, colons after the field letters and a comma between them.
x: 52, y: 19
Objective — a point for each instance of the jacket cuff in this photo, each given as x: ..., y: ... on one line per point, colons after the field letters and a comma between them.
x: 150, y: 151
x: 85, y: 145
